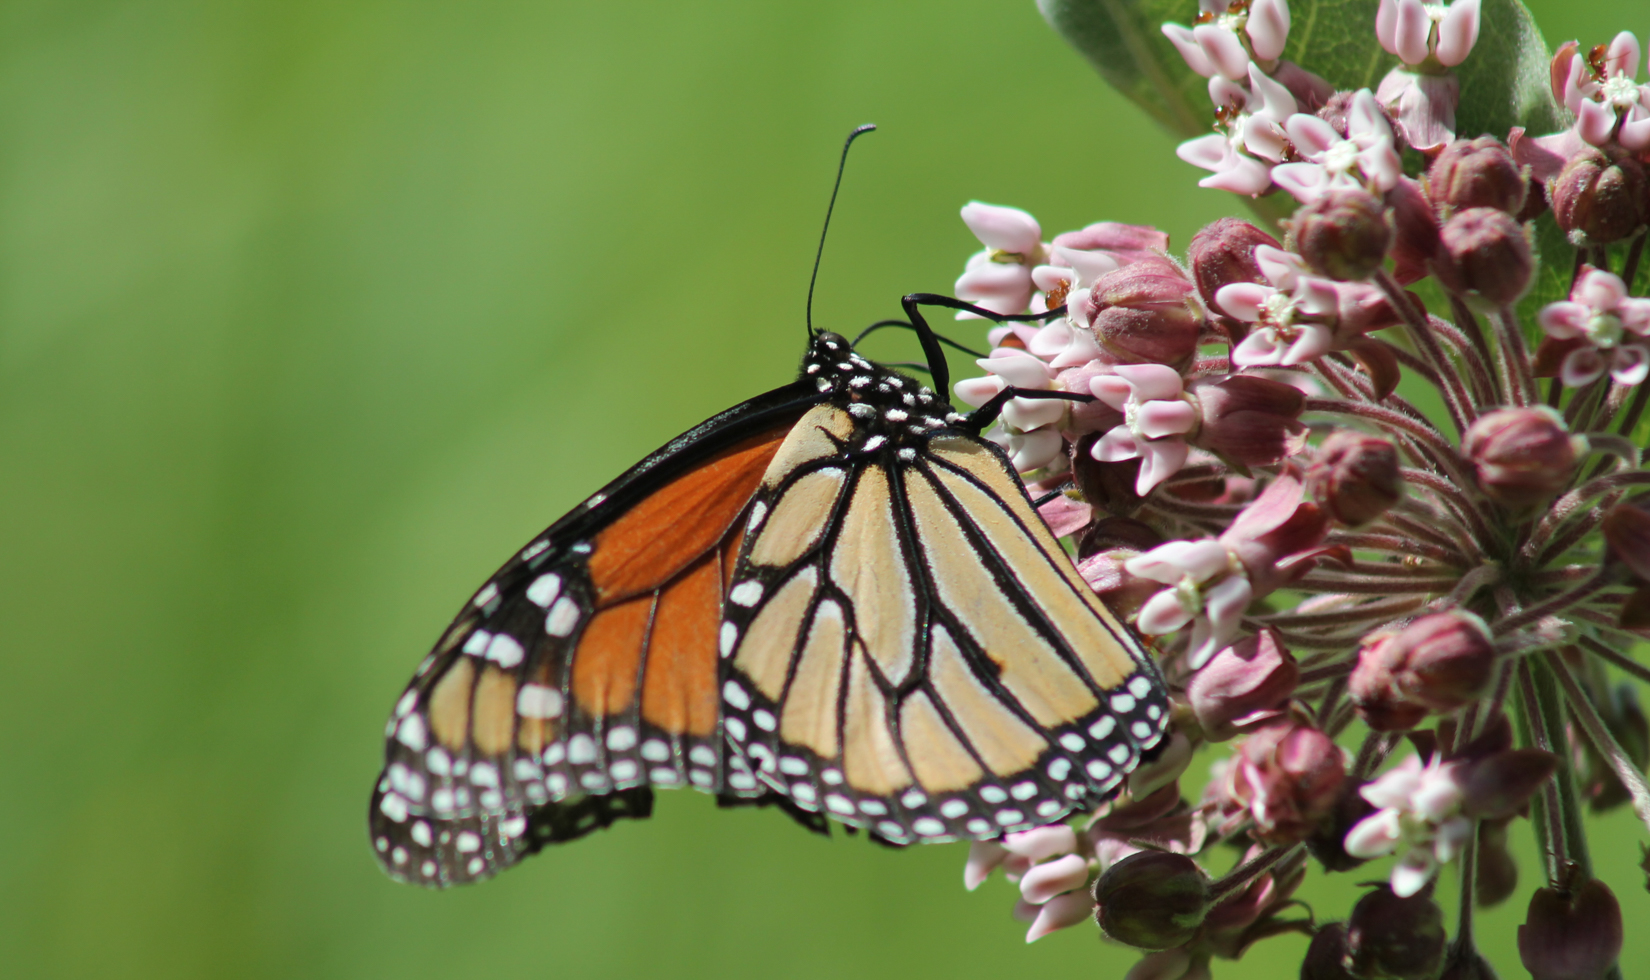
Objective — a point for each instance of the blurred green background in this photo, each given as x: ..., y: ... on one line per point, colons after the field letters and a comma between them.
x: 311, y: 312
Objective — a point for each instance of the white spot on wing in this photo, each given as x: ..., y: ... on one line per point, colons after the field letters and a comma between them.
x: 544, y: 590
x: 564, y: 615
x: 538, y: 701
x: 505, y: 651
x: 746, y: 593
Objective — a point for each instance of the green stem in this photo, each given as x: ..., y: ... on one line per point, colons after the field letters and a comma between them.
x: 1556, y: 814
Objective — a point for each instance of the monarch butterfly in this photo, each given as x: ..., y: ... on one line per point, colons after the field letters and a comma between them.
x: 835, y: 597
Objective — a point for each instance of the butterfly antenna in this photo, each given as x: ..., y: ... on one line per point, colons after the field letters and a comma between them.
x: 841, y: 165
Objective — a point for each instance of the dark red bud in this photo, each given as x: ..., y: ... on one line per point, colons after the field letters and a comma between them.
x: 1571, y: 935
x: 1237, y: 688
x: 1467, y: 965
x: 1326, y: 957
x: 1108, y: 486
x: 1152, y: 900
x: 1485, y: 252
x: 1295, y: 772
x: 1598, y: 201
x: 1627, y: 535
x: 1117, y: 534
x: 1497, y: 868
x: 1416, y: 226
x: 1328, y: 841
x: 1355, y: 477
x: 1222, y: 253
x: 1499, y: 786
x: 1392, y: 937
x: 1146, y: 313
x: 1635, y: 612
x: 1476, y: 173
x: 1343, y: 234
x: 1440, y: 662
x: 1249, y: 420
x: 1522, y: 456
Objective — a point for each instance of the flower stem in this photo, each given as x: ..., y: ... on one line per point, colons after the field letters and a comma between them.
x: 1582, y: 710
x: 1245, y: 872
x: 1557, y: 815
x: 1557, y: 603
x: 1622, y: 660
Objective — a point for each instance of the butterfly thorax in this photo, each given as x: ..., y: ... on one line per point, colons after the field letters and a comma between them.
x: 890, y: 409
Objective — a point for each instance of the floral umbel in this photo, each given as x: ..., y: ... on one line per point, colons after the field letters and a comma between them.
x: 1369, y: 479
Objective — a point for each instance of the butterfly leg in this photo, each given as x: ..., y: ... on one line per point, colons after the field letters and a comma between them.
x: 977, y: 420
x: 931, y: 352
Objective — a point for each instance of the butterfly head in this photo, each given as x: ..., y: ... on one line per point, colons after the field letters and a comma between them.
x: 884, y: 402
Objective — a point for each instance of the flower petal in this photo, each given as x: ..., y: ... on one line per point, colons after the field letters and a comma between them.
x: 1169, y: 563
x: 1243, y: 300
x: 1374, y: 836
x: 1186, y: 44
x: 1310, y: 134
x: 1149, y: 381
x: 1600, y: 290
x: 1458, y: 32
x: 1306, y: 182
x: 1410, y: 36
x: 1117, y: 445
x: 1163, y: 417
x: 1268, y: 28
x: 1631, y: 364
x: 1163, y: 613
x: 1005, y: 228
x: 1564, y: 319
x: 1594, y: 121
x: 1161, y: 459
x: 1582, y: 366
x: 1225, y: 52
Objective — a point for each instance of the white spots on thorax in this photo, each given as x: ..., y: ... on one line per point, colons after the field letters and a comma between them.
x: 953, y: 418
x: 581, y: 749
x: 735, y: 695
x: 823, y: 384
x: 993, y: 794
x: 1141, y: 730
x: 908, y: 455
x: 394, y: 806
x: 621, y: 738
x: 421, y: 834
x: 505, y: 651
x: 1122, y: 703
x: 702, y: 755
x: 727, y: 639
x: 896, y: 415
x: 860, y: 410
x: 844, y: 366
x: 488, y: 593
x: 764, y: 719
x: 953, y: 808
x: 812, y: 369
x: 544, y: 590
x: 859, y: 381
x: 1103, y: 727
x: 538, y: 701
x: 411, y: 733
x: 909, y: 399
x: 746, y: 593
x: 476, y: 645
x: 874, y: 443
x: 407, y: 703
x: 564, y: 615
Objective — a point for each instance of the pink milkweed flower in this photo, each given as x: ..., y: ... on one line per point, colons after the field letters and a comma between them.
x: 1291, y: 316
x: 1416, y: 31
x: 1156, y: 418
x: 1029, y: 431
x: 1208, y: 588
x: 1607, y: 95
x: 1253, y: 136
x: 1363, y: 159
x: 1216, y: 45
x: 1610, y: 329
x: 998, y: 278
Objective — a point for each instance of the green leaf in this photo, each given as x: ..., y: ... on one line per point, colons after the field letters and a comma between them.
x: 1503, y: 82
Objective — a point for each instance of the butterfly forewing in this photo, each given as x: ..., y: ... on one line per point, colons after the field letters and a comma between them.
x: 583, y: 673
x: 908, y: 648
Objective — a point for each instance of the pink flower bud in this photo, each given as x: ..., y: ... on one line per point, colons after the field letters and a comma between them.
x: 1627, y: 535
x: 1522, y: 456
x: 1571, y: 935
x: 1499, y: 785
x: 1476, y: 173
x: 1056, y: 877
x: 1249, y: 420
x: 1399, y: 938
x: 1145, y: 313
x: 1484, y: 251
x: 1416, y: 227
x: 1152, y: 900
x: 1355, y: 477
x: 1123, y: 243
x: 1343, y: 234
x: 1440, y: 662
x: 1223, y: 252
x: 1289, y: 775
x: 1598, y: 199
x: 984, y: 857
x: 1278, y: 537
x: 1059, y: 912
x: 1243, y: 686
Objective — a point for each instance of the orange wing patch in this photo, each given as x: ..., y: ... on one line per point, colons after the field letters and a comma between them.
x: 679, y: 691
x: 609, y: 655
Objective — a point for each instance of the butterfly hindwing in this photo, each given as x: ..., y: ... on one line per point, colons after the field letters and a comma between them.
x: 908, y: 648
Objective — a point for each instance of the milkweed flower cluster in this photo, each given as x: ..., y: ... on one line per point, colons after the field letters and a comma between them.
x: 1324, y: 570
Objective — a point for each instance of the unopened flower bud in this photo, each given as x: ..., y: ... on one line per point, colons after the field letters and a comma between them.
x: 1476, y: 173
x: 1249, y: 420
x: 1484, y: 252
x: 1343, y: 234
x: 1440, y: 662
x: 1289, y: 774
x: 1328, y: 841
x: 1415, y: 224
x: 1144, y: 313
x: 1392, y: 937
x: 1222, y: 253
x: 1497, y: 868
x: 1152, y: 900
x: 1571, y: 935
x: 1107, y: 486
x: 1522, y: 456
x: 1598, y: 201
x: 1355, y: 477
x: 1326, y: 957
x: 1500, y: 784
x: 1243, y: 686
x: 1627, y: 535
x: 1123, y: 243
